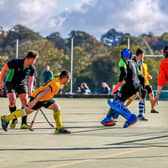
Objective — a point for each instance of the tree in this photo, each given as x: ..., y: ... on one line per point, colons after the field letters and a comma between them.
x: 57, y: 40
x: 103, y: 69
x: 48, y: 54
x: 22, y: 33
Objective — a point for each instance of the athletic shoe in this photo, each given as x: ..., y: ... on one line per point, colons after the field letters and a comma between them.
x: 132, y: 120
x: 24, y: 126
x: 4, y: 123
x: 111, y: 123
x: 107, y: 122
x: 154, y: 111
x: 142, y: 118
x: 13, y: 124
x: 62, y: 131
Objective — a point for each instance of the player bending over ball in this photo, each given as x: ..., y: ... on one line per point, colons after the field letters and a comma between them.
x: 42, y: 97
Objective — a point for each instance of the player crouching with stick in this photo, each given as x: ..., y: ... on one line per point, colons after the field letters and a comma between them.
x: 131, y: 79
x: 42, y: 97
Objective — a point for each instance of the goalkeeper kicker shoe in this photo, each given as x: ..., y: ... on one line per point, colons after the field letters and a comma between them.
x: 4, y: 123
x: 107, y: 122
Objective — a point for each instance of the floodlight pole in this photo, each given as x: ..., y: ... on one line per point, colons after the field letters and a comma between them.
x: 128, y: 43
x: 17, y: 48
x: 71, y: 83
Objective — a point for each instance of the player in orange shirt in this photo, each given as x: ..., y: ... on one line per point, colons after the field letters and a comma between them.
x: 42, y: 97
x: 163, y: 74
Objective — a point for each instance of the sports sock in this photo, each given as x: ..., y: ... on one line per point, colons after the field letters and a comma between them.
x: 129, y: 102
x: 141, y: 107
x: 12, y: 109
x: 15, y: 114
x: 58, y: 119
x: 24, y: 118
x: 152, y: 103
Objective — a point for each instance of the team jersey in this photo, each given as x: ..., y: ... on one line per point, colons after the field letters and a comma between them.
x: 139, y: 64
x: 129, y: 72
x: 145, y: 73
x: 17, y: 72
x: 163, y: 72
x: 54, y: 84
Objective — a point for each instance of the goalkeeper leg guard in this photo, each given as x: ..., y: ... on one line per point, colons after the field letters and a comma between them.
x: 120, y: 108
x: 111, y: 113
x: 132, y: 120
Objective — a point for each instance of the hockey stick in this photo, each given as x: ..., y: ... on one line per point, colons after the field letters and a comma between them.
x: 32, y: 122
x: 143, y: 96
x: 144, y: 105
x: 47, y: 119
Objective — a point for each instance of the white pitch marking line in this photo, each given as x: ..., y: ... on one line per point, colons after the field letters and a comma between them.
x: 99, y: 157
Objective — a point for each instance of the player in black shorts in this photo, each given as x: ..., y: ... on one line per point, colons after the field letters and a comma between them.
x: 131, y: 80
x: 143, y: 67
x: 139, y: 61
x: 18, y: 70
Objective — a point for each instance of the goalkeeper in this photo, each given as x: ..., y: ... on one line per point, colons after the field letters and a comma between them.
x: 42, y: 97
x: 131, y: 79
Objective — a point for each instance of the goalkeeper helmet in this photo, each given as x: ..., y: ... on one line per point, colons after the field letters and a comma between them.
x: 126, y: 54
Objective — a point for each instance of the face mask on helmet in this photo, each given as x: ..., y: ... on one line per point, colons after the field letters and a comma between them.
x: 126, y: 54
